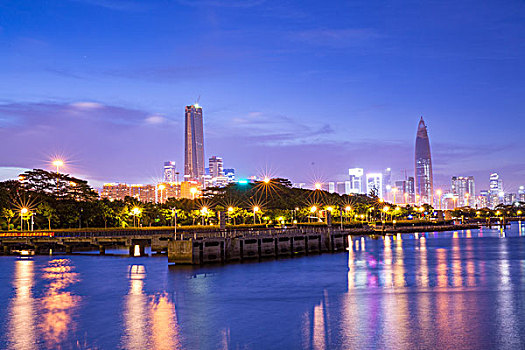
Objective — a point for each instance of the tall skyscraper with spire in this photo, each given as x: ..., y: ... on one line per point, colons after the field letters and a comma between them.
x: 424, y: 180
x: 194, y: 143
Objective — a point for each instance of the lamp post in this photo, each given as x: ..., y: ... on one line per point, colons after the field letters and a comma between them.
x: 204, y: 212
x: 230, y: 212
x: 255, y: 210
x: 23, y: 212
x: 58, y: 163
x: 135, y: 212
x: 313, y: 209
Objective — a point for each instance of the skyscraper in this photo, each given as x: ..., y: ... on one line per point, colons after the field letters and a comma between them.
x: 169, y: 172
x: 424, y: 181
x: 356, y: 180
x: 463, y: 188
x: 374, y: 184
x: 194, y: 144
x: 216, y: 166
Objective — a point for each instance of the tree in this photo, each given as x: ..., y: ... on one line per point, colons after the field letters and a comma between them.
x: 107, y: 213
x: 46, y: 211
x: 8, y: 214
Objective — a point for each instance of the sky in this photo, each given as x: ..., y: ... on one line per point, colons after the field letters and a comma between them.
x: 300, y: 89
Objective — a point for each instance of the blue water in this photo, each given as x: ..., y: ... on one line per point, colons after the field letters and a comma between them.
x: 450, y: 290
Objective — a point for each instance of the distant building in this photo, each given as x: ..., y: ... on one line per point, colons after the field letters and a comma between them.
x: 115, y: 191
x: 411, y: 190
x: 484, y: 199
x: 401, y: 195
x: 387, y: 183
x: 190, y: 189
x: 521, y: 194
x: 216, y: 167
x: 496, y: 190
x: 230, y: 174
x: 509, y: 198
x: 423, y: 173
x: 356, y: 180
x: 169, y: 172
x: 463, y: 187
x: 374, y: 184
x: 331, y: 187
x: 194, y: 143
x: 343, y: 187
x: 299, y: 185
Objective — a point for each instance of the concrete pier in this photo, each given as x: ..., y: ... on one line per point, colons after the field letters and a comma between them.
x: 254, y: 245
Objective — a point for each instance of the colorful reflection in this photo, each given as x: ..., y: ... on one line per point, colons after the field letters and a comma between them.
x: 57, y: 303
x: 150, y: 321
x: 22, y: 330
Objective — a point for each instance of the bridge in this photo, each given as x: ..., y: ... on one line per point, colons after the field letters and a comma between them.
x: 202, y: 247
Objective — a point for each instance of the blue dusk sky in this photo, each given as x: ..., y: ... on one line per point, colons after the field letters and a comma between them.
x: 304, y: 89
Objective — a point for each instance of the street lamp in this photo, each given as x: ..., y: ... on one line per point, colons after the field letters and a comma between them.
x: 204, y: 212
x: 255, y: 210
x: 135, y: 212
x: 266, y: 180
x: 58, y: 163
x: 317, y: 185
x: 23, y: 212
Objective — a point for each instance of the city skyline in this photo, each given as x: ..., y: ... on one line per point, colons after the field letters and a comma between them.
x: 266, y: 105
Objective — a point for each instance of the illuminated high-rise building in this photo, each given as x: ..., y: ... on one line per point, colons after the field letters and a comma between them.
x: 374, y: 184
x: 169, y: 172
x: 194, y: 143
x: 356, y: 180
x: 463, y: 188
x: 424, y: 180
x: 216, y: 167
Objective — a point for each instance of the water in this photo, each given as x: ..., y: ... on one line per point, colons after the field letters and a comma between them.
x: 450, y: 290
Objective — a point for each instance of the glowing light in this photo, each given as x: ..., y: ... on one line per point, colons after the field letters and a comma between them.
x: 313, y: 209
x: 348, y: 208
x: 266, y: 180
x: 136, y: 211
x: 24, y: 210
x: 256, y: 209
x: 386, y: 208
x: 317, y: 185
x: 439, y: 192
x: 330, y: 209
x: 162, y: 187
x: 230, y: 209
x: 204, y: 210
x: 381, y: 200
x: 58, y: 163
x: 243, y: 182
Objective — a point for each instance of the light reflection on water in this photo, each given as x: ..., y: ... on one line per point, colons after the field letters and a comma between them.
x: 460, y: 290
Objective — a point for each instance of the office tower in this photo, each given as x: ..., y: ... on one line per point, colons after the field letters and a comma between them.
x: 424, y: 180
x: 356, y: 180
x: 411, y: 190
x: 230, y: 174
x: 374, y: 184
x: 216, y: 167
x: 169, y: 172
x: 343, y: 187
x: 401, y: 191
x: 484, y: 199
x: 509, y: 198
x: 194, y: 143
x: 521, y: 194
x: 463, y: 188
x: 387, y: 183
x: 331, y: 187
x: 496, y: 190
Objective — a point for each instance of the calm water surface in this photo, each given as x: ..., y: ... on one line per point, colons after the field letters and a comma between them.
x: 450, y: 290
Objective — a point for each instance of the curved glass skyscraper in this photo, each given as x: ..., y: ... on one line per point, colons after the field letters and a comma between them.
x: 424, y: 181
